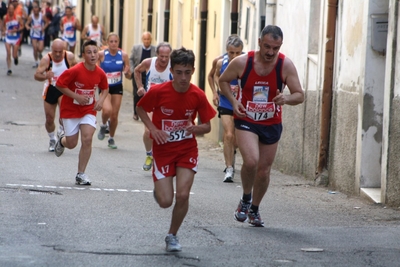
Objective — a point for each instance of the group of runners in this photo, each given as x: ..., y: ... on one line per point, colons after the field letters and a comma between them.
x: 247, y: 90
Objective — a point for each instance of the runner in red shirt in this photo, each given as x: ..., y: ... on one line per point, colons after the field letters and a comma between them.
x: 257, y: 111
x: 79, y: 107
x: 175, y: 105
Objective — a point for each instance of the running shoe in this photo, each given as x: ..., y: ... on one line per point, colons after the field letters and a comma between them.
x: 102, y: 132
x: 35, y: 66
x: 242, y: 211
x: 111, y: 144
x: 52, y: 144
x: 58, y: 149
x: 148, y: 163
x: 255, y: 219
x: 228, y: 175
x: 9, y: 72
x: 82, y: 179
x: 16, y: 61
x: 172, y: 243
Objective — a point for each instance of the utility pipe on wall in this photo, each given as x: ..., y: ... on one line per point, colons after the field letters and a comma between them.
x: 150, y: 16
x: 327, y: 86
x: 234, y: 17
x: 203, y: 43
x: 166, y: 20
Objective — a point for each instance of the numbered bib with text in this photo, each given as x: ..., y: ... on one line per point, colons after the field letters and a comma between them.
x: 114, y: 77
x: 176, y: 130
x: 86, y: 92
x: 260, y: 111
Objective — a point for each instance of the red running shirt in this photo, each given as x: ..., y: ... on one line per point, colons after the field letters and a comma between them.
x: 171, y: 111
x: 81, y: 81
x: 256, y: 93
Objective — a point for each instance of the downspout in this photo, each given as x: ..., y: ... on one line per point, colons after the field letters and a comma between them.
x: 203, y: 43
x: 262, y: 9
x: 327, y: 87
x: 166, y: 20
x: 121, y: 21
x: 82, y: 21
x: 150, y: 16
x: 234, y: 17
x: 111, y: 15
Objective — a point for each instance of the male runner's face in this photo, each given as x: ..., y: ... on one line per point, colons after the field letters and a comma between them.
x: 269, y: 47
x: 233, y: 51
x: 57, y: 52
x: 91, y: 54
x: 163, y: 56
x: 182, y: 75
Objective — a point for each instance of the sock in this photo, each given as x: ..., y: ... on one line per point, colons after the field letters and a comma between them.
x: 149, y: 153
x: 111, y: 138
x: 254, y: 208
x: 246, y: 197
x: 52, y: 136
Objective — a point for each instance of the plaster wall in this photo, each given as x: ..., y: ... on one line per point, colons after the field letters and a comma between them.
x: 295, y: 46
x: 347, y: 92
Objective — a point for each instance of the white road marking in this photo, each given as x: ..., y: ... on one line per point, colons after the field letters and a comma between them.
x: 84, y: 188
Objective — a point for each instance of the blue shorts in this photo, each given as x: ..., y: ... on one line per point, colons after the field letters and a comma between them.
x: 267, y: 134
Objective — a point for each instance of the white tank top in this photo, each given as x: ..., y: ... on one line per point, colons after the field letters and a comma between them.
x: 155, y: 77
x: 37, y: 26
x: 95, y: 35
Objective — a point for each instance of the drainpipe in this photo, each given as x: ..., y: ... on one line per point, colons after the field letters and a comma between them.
x: 121, y: 21
x: 111, y: 15
x: 327, y: 87
x: 262, y: 9
x: 166, y: 20
x: 150, y: 16
x: 203, y: 43
x: 234, y: 17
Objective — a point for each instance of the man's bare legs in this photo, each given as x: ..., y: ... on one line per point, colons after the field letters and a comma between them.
x: 255, y: 173
x: 229, y: 146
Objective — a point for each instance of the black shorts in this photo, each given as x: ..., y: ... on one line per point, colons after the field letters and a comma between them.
x: 267, y: 134
x: 115, y: 89
x: 52, y: 95
x: 224, y: 111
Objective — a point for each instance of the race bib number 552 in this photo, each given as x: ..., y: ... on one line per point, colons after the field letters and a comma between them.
x: 176, y: 130
x: 86, y: 92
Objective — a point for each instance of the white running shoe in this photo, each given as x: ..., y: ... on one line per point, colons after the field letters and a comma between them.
x: 172, y: 243
x: 82, y: 179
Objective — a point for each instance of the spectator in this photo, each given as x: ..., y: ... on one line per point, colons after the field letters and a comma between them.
x: 54, y: 27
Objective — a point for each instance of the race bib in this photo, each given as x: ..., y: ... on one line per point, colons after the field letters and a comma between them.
x: 258, y: 111
x: 176, y: 130
x: 86, y: 92
x: 114, y: 77
x: 69, y: 34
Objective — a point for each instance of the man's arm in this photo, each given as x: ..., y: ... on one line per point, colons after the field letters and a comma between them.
x: 216, y: 80
x: 28, y: 23
x: 210, y: 76
x: 142, y: 67
x: 78, y: 24
x: 71, y: 59
x: 127, y: 68
x: 103, y: 35
x: 159, y: 136
x: 84, y: 33
x: 41, y: 74
x: 292, y: 81
x: 234, y: 70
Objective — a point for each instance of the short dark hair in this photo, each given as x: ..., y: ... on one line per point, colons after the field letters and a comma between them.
x: 87, y: 43
x: 275, y: 31
x: 182, y: 56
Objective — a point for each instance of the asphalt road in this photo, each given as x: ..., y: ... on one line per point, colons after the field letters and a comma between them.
x: 45, y: 220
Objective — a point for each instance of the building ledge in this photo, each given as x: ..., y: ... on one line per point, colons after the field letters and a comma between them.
x: 373, y: 194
